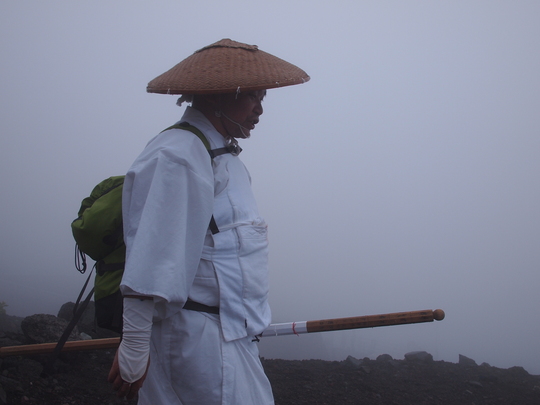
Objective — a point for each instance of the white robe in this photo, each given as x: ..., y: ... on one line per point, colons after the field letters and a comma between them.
x: 170, y: 193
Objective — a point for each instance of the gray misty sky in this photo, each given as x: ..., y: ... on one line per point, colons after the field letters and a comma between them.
x: 403, y: 176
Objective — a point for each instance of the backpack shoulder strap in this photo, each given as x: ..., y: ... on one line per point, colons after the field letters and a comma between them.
x: 188, y: 127
x: 233, y: 149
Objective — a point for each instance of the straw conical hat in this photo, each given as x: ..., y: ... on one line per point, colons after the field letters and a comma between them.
x: 227, y: 66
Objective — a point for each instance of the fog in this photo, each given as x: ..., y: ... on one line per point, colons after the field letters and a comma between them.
x: 403, y: 176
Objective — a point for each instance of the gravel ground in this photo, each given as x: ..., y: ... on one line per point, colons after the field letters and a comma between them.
x: 80, y: 378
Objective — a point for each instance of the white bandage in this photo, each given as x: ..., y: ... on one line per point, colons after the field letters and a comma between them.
x: 135, y: 346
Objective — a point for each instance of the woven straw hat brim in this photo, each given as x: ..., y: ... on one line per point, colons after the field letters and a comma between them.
x: 225, y: 67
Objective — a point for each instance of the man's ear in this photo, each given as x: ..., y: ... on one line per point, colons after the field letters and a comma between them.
x: 207, y: 102
x: 217, y: 101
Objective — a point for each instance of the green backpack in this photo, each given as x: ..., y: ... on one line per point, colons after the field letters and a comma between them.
x: 98, y: 232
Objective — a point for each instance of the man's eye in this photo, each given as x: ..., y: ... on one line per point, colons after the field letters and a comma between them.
x: 256, y: 97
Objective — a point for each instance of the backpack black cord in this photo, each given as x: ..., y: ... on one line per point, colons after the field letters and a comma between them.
x: 77, y: 314
x: 80, y: 260
x: 83, y: 290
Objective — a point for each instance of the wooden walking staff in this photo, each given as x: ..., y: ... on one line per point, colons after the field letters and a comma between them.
x: 72, y: 345
x: 276, y: 329
x: 357, y: 322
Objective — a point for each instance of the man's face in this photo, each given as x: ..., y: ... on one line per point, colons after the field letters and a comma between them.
x: 244, y: 109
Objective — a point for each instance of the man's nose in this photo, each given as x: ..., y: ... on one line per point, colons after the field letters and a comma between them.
x: 259, y: 108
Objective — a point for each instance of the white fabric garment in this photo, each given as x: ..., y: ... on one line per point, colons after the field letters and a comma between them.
x: 193, y: 365
x: 134, y: 348
x: 170, y: 193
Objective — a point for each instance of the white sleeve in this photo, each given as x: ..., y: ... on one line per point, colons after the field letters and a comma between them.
x: 167, y: 206
x: 134, y: 348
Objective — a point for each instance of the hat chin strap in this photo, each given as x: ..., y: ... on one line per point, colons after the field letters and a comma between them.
x: 245, y: 136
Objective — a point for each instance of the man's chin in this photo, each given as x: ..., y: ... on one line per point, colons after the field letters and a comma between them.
x: 243, y: 133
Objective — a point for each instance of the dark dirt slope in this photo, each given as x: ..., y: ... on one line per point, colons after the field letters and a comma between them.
x: 80, y: 378
x: 399, y: 382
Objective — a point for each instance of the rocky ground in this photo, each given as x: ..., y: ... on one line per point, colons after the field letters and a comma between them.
x: 79, y: 378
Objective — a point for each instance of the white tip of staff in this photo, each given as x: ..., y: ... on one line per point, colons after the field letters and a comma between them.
x: 289, y: 328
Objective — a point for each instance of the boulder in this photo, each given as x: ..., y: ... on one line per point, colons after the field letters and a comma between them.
x: 353, y: 362
x: 44, y: 328
x: 386, y: 358
x: 419, y: 356
x: 465, y: 361
x: 86, y: 323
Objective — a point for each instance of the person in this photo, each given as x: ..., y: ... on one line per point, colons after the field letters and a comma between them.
x: 195, y: 284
